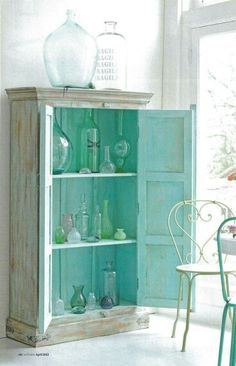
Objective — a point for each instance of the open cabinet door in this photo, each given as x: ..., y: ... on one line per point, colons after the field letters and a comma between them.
x: 45, y: 197
x: 166, y: 176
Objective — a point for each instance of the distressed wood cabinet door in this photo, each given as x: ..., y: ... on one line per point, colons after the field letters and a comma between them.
x: 45, y: 219
x: 165, y: 176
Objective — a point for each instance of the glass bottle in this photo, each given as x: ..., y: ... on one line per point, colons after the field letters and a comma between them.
x: 97, y: 224
x: 107, y: 165
x: 107, y: 228
x: 91, y: 304
x: 89, y: 144
x: 111, y: 65
x: 59, y: 235
x: 67, y: 223
x: 59, y: 307
x: 73, y: 236
x: 82, y: 220
x: 109, y: 283
x: 78, y: 298
x: 62, y: 150
x: 70, y: 55
x: 120, y: 234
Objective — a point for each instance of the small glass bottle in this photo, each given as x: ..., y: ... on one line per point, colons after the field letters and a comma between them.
x: 73, y: 236
x: 109, y: 284
x: 59, y: 307
x: 89, y: 144
x: 91, y: 302
x: 97, y: 224
x: 59, y: 235
x: 107, y: 228
x: 111, y: 65
x: 107, y: 165
x: 82, y: 220
x: 67, y: 223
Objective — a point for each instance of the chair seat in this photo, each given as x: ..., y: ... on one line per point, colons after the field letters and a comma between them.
x: 208, y: 269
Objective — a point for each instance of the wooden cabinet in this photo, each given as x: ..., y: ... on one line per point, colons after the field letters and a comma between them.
x: 158, y: 172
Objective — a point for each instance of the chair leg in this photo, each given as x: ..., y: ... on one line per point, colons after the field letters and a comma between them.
x: 233, y: 340
x: 222, y: 334
x: 178, y: 304
x: 190, y: 281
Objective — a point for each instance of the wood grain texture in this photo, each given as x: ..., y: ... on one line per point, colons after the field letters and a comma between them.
x: 77, y: 327
x: 82, y: 97
x: 24, y: 212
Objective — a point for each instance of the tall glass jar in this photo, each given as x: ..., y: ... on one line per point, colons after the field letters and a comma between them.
x: 70, y: 55
x: 109, y: 283
x: 111, y: 65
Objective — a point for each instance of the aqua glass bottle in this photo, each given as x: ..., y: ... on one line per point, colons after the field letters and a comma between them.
x: 89, y: 144
x: 70, y: 55
x: 62, y: 150
x: 107, y: 228
x: 109, y: 282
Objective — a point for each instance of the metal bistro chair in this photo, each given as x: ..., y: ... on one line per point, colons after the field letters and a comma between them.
x: 226, y: 243
x: 192, y: 226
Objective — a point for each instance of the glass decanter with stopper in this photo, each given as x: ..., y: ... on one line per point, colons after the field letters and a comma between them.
x: 82, y: 219
x: 70, y: 55
x: 111, y: 65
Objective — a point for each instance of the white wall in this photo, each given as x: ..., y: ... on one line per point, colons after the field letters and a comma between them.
x: 25, y: 24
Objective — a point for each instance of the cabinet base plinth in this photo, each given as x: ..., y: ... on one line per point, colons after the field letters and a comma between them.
x: 74, y: 328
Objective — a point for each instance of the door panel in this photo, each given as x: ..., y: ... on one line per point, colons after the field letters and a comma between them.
x: 165, y: 173
x: 45, y: 222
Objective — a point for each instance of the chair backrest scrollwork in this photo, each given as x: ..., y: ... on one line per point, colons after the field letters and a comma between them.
x: 194, y: 224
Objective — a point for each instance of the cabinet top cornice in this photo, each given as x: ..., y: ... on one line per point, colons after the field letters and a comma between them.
x: 60, y: 95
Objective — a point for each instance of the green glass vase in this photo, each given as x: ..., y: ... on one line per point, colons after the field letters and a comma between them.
x: 78, y: 298
x: 107, y: 228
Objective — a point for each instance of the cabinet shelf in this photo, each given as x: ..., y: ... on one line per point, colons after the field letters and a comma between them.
x: 93, y: 175
x: 93, y: 244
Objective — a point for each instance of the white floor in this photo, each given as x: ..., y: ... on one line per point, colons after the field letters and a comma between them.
x: 149, y: 347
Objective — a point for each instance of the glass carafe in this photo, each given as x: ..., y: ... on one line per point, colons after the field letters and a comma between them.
x: 70, y: 55
x: 111, y: 65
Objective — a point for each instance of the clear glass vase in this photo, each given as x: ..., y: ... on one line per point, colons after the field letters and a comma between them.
x: 111, y: 65
x: 70, y: 55
x: 62, y: 150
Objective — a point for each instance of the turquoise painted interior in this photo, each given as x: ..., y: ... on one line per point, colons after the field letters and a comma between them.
x: 85, y: 265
